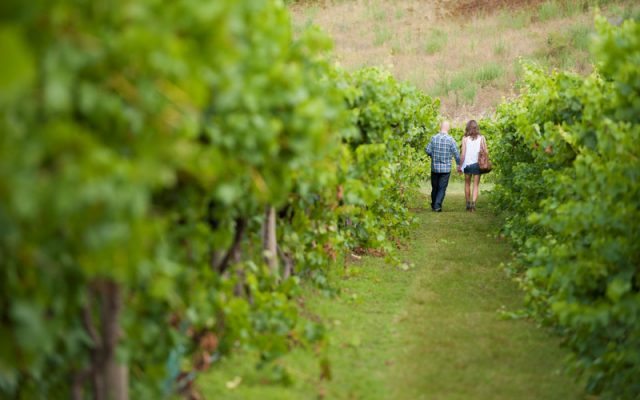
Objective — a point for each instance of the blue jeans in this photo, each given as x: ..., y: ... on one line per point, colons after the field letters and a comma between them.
x: 439, y: 183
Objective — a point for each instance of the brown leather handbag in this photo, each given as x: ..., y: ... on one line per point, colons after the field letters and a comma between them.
x: 483, y: 158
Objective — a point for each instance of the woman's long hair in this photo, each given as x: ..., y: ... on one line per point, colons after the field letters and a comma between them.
x: 472, y: 129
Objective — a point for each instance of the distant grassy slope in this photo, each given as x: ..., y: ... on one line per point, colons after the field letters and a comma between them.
x: 464, y: 51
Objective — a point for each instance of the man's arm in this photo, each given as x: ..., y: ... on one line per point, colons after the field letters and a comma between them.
x: 429, y: 148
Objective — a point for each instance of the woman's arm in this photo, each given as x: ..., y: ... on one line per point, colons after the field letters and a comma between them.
x: 463, y: 151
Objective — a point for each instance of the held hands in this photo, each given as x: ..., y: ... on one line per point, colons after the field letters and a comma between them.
x: 459, y: 169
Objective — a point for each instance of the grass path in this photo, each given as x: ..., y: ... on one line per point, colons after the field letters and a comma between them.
x: 431, y: 332
x: 453, y: 335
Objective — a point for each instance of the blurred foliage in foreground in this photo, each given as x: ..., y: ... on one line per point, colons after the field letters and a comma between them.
x: 168, y: 174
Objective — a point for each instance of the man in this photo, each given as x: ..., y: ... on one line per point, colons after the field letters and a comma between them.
x: 441, y: 148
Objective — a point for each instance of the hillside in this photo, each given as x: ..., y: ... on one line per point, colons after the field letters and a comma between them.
x: 466, y: 52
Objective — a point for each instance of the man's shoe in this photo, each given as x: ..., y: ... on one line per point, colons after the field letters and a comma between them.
x: 438, y: 210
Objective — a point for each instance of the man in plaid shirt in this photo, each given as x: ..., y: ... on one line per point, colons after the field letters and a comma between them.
x: 441, y: 148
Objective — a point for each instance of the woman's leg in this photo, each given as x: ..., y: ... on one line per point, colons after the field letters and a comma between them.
x: 476, y: 187
x: 467, y: 190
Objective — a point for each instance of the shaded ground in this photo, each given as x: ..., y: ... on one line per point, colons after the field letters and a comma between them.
x: 429, y: 332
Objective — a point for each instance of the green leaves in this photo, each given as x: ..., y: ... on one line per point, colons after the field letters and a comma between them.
x: 18, y: 71
x: 141, y: 143
x: 568, y: 153
x: 394, y: 122
x: 618, y: 288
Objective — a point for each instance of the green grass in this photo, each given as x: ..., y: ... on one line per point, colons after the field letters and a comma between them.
x: 488, y: 73
x: 360, y: 321
x: 464, y: 87
x: 580, y: 36
x: 468, y: 94
x: 311, y: 12
x: 500, y: 48
x: 441, y: 87
x: 575, y: 7
x: 473, y: 43
x: 397, y: 47
x: 557, y: 44
x: 566, y: 49
x: 436, y: 41
x: 567, y: 8
x: 428, y: 332
x: 518, y: 71
x: 382, y: 34
x: 460, y: 80
x: 549, y: 10
x: 465, y: 96
x: 511, y: 19
x: 628, y: 11
x: 378, y: 13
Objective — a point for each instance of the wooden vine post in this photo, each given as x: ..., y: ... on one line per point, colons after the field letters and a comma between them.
x: 269, y: 240
x: 109, y: 378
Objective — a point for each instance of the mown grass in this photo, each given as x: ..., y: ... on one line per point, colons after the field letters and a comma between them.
x: 363, y: 337
x: 429, y: 332
x: 461, y: 347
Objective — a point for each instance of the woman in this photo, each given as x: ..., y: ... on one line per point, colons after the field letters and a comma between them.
x: 471, y: 144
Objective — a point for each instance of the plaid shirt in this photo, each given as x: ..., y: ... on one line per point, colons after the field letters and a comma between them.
x: 441, y: 148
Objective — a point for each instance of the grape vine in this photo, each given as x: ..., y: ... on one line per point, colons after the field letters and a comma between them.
x: 568, y: 187
x: 169, y: 173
